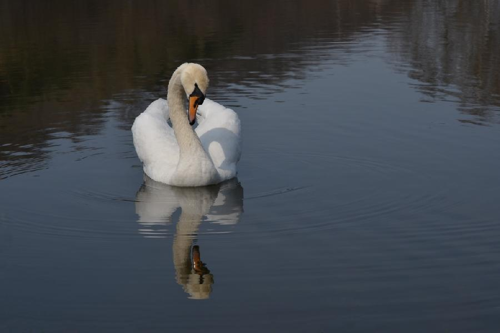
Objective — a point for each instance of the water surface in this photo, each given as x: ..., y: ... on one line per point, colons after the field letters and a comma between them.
x: 368, y: 189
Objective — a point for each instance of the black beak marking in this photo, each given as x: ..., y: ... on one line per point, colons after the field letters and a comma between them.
x: 199, y: 97
x: 197, y: 92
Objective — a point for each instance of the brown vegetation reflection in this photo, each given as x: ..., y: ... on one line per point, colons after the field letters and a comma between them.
x: 61, y: 62
x: 453, y: 49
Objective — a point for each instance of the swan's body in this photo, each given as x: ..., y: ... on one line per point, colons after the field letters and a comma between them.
x: 179, y: 155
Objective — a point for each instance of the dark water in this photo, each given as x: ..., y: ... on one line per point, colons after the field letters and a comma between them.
x: 368, y: 190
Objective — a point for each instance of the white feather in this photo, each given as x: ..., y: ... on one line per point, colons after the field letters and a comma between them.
x: 156, y: 145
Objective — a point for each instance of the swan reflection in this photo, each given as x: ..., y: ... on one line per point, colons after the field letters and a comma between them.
x: 157, y: 203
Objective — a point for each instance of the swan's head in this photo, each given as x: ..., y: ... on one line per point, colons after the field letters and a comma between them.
x: 194, y: 79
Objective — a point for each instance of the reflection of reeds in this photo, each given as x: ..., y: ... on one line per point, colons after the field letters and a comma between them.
x: 61, y: 63
x: 89, y: 51
x: 453, y: 48
x: 100, y: 48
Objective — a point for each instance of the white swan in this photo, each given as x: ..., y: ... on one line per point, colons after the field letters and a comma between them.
x: 182, y: 156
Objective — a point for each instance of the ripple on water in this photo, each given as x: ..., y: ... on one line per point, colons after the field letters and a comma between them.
x: 64, y: 226
x: 99, y: 196
x: 352, y: 203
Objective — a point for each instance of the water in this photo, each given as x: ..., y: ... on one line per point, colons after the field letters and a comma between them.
x: 368, y: 189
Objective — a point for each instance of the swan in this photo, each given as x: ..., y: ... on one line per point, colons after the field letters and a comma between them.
x: 180, y: 155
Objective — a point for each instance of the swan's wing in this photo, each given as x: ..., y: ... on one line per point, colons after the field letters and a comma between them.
x: 155, y: 142
x: 219, y: 133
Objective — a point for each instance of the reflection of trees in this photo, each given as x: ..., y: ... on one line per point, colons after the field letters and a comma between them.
x: 109, y: 45
x: 61, y: 60
x: 453, y: 47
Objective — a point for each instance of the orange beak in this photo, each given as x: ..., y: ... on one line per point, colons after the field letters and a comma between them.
x: 193, y: 107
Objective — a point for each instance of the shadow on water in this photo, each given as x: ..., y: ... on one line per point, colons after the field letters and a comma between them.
x: 156, y: 205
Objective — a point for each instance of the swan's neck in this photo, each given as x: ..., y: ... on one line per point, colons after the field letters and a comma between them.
x: 186, y: 137
x: 194, y: 162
